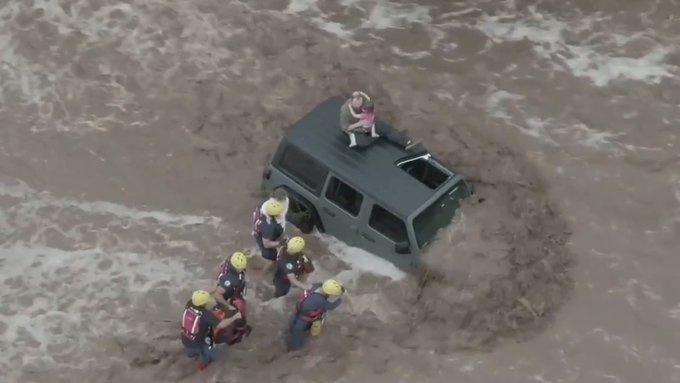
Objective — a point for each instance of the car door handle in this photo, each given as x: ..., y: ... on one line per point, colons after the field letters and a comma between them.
x: 328, y: 211
x: 368, y: 237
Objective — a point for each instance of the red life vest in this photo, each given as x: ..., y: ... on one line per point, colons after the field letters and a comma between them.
x: 240, y: 304
x: 225, y: 266
x: 257, y: 219
x: 191, y: 323
x: 312, y: 315
x: 299, y: 263
x: 231, y: 334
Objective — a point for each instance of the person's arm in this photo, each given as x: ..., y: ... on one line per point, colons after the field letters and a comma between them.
x: 352, y: 112
x: 218, y: 294
x: 294, y: 281
x: 226, y: 322
x: 361, y: 93
x: 355, y: 125
x: 345, y: 116
x: 269, y: 244
x: 308, y: 265
x: 269, y: 232
x: 330, y: 306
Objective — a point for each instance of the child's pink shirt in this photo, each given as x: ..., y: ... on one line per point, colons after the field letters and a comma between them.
x: 367, y: 119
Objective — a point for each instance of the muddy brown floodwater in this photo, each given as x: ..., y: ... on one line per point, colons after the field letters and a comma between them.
x: 132, y: 139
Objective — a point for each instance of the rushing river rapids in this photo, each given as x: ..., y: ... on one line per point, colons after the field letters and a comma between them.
x: 132, y: 138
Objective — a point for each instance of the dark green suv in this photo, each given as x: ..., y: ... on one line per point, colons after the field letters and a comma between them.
x: 382, y: 198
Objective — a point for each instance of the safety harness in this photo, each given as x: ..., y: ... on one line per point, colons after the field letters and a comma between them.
x: 191, y: 323
x: 224, y: 268
x: 299, y: 266
x: 311, y: 316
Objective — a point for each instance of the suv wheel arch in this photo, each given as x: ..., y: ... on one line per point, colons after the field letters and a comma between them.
x: 307, y: 219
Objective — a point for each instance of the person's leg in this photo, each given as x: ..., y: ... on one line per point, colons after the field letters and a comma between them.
x: 242, y: 327
x: 296, y: 336
x: 397, y: 137
x: 208, y: 355
x: 193, y: 352
x: 222, y: 336
x: 352, y: 139
x: 268, y: 254
x: 281, y: 287
x: 374, y: 134
x: 260, y: 244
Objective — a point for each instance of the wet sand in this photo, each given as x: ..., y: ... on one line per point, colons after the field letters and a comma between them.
x: 133, y: 135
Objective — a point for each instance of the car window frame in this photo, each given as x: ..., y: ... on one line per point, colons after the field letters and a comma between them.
x: 403, y: 221
x: 330, y: 178
x: 278, y: 163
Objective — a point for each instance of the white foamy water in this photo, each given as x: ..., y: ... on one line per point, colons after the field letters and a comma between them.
x: 108, y: 69
x: 360, y: 260
x: 74, y: 271
x: 594, y: 48
x: 596, y: 57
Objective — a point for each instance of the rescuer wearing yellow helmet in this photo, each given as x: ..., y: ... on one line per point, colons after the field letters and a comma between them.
x: 231, y: 281
x: 267, y: 230
x: 230, y: 294
x: 292, y: 267
x: 311, y: 309
x: 198, y: 324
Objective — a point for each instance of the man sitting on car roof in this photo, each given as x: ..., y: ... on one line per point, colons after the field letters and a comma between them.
x: 352, y: 123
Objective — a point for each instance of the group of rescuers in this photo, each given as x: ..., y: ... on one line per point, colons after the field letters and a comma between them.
x: 219, y: 316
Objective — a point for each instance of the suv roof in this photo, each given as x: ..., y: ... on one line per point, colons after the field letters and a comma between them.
x: 371, y: 170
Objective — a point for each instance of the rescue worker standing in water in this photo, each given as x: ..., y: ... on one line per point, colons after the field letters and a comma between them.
x: 198, y: 324
x: 230, y: 294
x: 267, y: 231
x: 231, y: 282
x: 292, y: 267
x: 311, y: 309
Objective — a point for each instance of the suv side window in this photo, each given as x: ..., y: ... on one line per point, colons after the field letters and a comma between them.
x: 387, y: 224
x: 305, y: 169
x: 344, y: 196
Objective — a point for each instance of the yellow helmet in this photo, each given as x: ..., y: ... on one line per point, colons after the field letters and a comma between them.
x: 201, y: 298
x: 332, y: 287
x: 238, y: 261
x: 295, y: 245
x: 274, y: 208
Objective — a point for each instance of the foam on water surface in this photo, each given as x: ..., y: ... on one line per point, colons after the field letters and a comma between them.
x: 116, y: 254
x: 360, y: 260
x: 70, y: 266
x: 599, y: 62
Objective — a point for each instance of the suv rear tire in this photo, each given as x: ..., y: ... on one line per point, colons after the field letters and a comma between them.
x: 302, y: 214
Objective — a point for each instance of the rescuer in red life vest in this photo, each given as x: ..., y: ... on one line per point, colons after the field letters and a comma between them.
x: 311, y: 309
x: 198, y: 324
x: 292, y: 267
x: 229, y: 293
x: 267, y: 231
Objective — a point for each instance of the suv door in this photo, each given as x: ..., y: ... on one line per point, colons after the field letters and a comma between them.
x: 339, y: 209
x: 382, y: 233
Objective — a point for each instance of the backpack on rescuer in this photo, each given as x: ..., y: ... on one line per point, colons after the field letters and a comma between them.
x: 191, y: 321
x: 312, y: 315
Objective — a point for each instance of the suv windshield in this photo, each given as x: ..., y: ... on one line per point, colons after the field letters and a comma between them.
x: 439, y: 214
